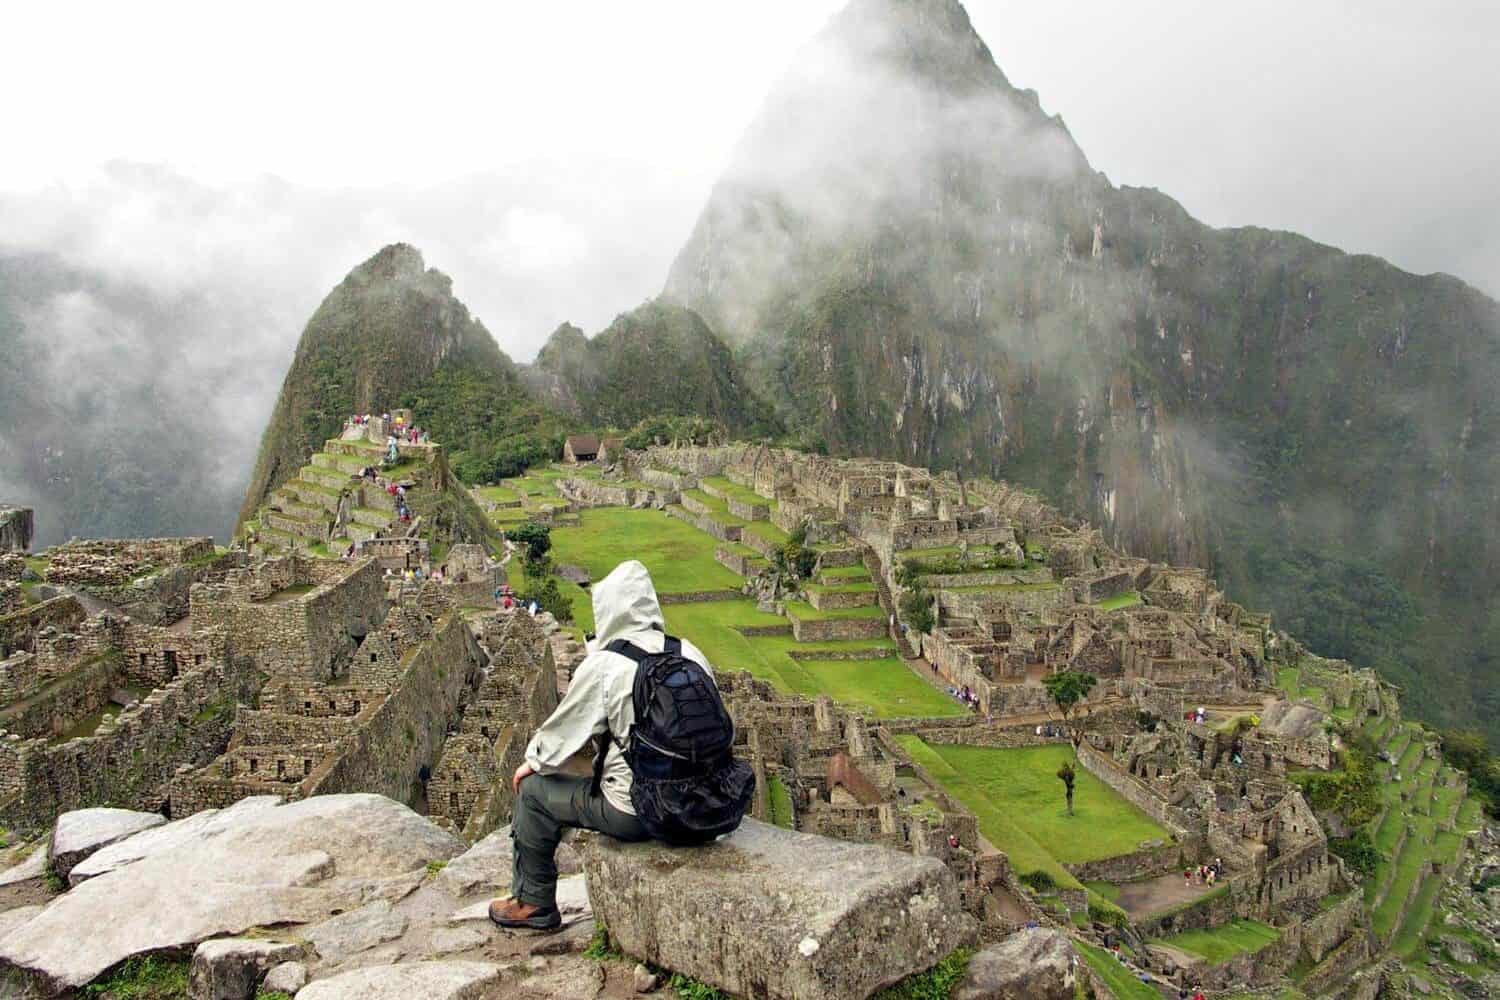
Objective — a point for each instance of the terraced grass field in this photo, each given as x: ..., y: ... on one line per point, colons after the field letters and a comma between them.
x: 1018, y: 800
x: 680, y: 559
x: 1127, y: 600
x: 1223, y: 943
x: 1120, y: 980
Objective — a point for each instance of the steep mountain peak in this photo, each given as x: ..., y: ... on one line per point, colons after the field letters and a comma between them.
x: 393, y: 262
x: 377, y: 340
x: 934, y: 38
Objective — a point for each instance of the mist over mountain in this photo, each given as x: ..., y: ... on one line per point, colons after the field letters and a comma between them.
x: 918, y: 262
x: 129, y: 411
x: 906, y: 255
x: 656, y: 360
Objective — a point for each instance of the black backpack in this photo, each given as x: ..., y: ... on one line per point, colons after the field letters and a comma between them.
x: 688, y: 787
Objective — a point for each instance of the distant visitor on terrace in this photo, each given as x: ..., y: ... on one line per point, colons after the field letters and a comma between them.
x: 664, y: 766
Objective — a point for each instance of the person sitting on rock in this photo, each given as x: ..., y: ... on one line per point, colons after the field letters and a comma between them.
x: 599, y: 701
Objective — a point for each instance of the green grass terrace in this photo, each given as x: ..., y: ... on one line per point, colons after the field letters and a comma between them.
x: 1223, y: 943
x: 1018, y: 800
x: 734, y: 491
x: 863, y: 674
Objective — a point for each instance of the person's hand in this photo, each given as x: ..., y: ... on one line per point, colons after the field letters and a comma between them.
x: 523, y: 772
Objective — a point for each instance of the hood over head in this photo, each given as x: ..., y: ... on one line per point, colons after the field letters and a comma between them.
x: 625, y: 603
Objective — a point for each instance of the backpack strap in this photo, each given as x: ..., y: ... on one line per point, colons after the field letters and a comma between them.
x: 626, y: 648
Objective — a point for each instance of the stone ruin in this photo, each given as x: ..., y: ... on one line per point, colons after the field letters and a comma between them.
x: 848, y: 780
x: 290, y: 676
x: 16, y: 526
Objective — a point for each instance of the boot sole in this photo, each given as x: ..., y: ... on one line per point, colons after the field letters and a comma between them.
x: 548, y: 923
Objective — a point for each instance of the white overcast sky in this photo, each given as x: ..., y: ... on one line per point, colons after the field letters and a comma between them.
x: 552, y: 156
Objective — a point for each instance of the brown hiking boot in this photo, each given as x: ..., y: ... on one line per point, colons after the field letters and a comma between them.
x: 514, y: 913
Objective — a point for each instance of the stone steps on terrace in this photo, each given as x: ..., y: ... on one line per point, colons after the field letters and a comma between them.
x: 292, y: 507
x: 369, y: 451
x: 371, y: 517
x: 271, y: 540
x: 314, y: 495
x: 310, y: 530
x: 327, y: 477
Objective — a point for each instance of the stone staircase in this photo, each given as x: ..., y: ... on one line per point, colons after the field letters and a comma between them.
x: 326, y: 507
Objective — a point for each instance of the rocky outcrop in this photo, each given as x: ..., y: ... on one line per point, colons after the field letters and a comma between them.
x: 1034, y: 964
x: 82, y: 832
x: 336, y: 895
x: 776, y: 914
x: 232, y: 968
x: 256, y: 864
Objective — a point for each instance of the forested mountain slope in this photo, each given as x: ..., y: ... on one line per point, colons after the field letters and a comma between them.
x: 916, y: 261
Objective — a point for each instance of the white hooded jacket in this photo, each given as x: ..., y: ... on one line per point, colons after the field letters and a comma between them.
x: 599, y: 696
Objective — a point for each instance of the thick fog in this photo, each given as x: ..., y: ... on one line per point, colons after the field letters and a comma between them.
x: 197, y: 179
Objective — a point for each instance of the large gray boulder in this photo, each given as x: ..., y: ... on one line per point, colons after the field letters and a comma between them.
x: 774, y: 914
x: 217, y: 874
x: 1034, y: 964
x: 81, y: 832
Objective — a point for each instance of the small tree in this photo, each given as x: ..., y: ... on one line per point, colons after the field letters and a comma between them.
x: 1068, y: 777
x: 536, y: 539
x: 916, y: 609
x: 1068, y: 689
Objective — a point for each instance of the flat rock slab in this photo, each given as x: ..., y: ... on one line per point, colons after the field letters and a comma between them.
x: 195, y: 829
x: 408, y: 981
x: 220, y: 873
x: 775, y: 914
x: 81, y: 832
x: 487, y: 865
x: 569, y: 979
x: 572, y: 904
x: 33, y: 869
x: 358, y: 930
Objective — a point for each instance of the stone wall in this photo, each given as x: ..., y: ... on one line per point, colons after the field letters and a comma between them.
x: 66, y: 702
x: 1103, y: 767
x: 309, y: 634
x: 1160, y: 859
x: 406, y: 732
x: 18, y: 629
x: 129, y: 761
x: 164, y: 597
x: 829, y: 629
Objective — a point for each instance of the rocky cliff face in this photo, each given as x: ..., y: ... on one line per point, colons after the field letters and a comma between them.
x: 391, y: 334
x: 920, y: 263
x: 657, y: 360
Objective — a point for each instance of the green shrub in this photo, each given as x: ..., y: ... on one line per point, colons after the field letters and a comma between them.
x: 1353, y: 792
x: 935, y: 984
x: 1107, y: 913
x: 148, y: 977
x: 549, y: 597
x: 916, y: 609
x: 1039, y: 881
x: 1357, y: 850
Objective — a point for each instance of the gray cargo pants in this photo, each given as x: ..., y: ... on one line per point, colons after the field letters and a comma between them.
x: 548, y: 804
